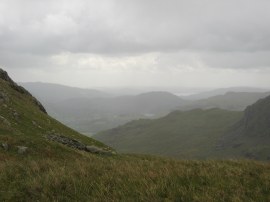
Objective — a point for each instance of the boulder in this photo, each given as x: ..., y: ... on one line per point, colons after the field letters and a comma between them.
x: 97, y: 150
x: 5, y: 146
x: 4, y: 121
x: 22, y: 149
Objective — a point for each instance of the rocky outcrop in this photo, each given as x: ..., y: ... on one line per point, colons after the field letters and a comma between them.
x: 4, y: 76
x: 77, y: 144
x: 66, y: 141
x: 250, y: 136
x: 256, y: 120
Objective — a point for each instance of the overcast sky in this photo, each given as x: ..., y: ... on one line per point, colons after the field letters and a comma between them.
x: 90, y: 43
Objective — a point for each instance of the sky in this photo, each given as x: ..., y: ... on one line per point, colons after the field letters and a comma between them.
x: 120, y: 43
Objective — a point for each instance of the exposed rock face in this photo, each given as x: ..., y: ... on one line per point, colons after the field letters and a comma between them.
x: 66, y: 141
x: 77, y: 144
x: 4, y: 76
x: 253, y: 127
x: 256, y: 119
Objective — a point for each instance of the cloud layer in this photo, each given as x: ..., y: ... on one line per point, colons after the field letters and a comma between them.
x: 127, y: 35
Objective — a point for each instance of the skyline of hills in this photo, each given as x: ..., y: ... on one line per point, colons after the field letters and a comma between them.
x: 91, y: 111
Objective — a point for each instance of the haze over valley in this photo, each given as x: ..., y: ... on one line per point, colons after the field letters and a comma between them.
x: 90, y: 111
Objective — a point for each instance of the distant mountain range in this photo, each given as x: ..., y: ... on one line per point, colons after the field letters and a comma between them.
x: 98, y: 114
x: 49, y: 92
x: 222, y: 91
x: 90, y: 111
x: 235, y: 101
x: 212, y: 133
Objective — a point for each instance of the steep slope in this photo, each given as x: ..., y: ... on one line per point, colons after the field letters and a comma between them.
x: 50, y: 171
x: 250, y: 137
x: 24, y: 122
x: 236, y: 101
x: 189, y: 134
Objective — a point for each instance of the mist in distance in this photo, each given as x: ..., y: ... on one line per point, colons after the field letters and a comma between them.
x: 137, y: 44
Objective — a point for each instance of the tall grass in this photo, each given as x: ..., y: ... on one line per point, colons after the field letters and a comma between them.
x: 86, y: 177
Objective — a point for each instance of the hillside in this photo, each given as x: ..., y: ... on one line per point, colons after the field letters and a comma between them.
x: 235, y: 101
x: 182, y: 134
x: 250, y: 136
x: 34, y: 167
x: 24, y: 121
x: 93, y: 115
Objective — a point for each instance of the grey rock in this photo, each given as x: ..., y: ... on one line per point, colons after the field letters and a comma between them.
x: 97, y: 150
x: 77, y: 144
x: 5, y: 146
x: 4, y: 76
x: 36, y: 125
x: 15, y: 114
x: 66, y: 141
x: 3, y: 97
x: 4, y: 121
x: 22, y: 149
x: 92, y: 149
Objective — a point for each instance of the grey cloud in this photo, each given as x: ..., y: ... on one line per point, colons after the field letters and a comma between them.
x: 134, y: 26
x: 218, y: 34
x: 225, y: 60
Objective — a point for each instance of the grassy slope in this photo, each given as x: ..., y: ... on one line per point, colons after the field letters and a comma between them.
x: 22, y: 130
x: 189, y: 134
x: 86, y: 177
x: 52, y: 172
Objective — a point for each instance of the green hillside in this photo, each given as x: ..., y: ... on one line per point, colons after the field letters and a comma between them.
x: 250, y: 137
x: 183, y: 134
x: 24, y: 121
x: 40, y: 160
